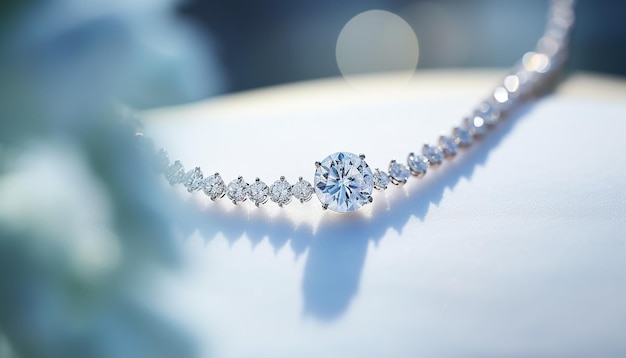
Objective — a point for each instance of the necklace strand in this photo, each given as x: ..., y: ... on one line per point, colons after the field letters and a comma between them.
x: 344, y: 182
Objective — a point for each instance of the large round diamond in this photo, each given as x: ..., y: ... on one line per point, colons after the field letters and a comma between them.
x: 343, y: 182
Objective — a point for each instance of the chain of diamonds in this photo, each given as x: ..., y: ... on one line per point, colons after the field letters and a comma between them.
x: 530, y: 78
x: 281, y: 191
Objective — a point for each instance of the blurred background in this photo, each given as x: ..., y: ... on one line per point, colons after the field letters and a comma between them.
x: 185, y: 50
x: 272, y: 42
x: 82, y: 239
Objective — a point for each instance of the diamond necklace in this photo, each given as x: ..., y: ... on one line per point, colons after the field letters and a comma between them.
x: 344, y: 182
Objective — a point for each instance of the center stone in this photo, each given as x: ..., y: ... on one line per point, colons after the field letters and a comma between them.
x: 343, y: 182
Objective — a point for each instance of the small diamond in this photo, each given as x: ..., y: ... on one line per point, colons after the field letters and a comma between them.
x: 399, y: 173
x: 433, y: 153
x: 214, y: 186
x: 462, y: 135
x: 488, y: 113
x: 258, y: 192
x: 237, y: 190
x: 302, y: 190
x: 280, y: 192
x: 512, y: 85
x: 501, y: 102
x: 193, y: 180
x: 449, y: 145
x: 381, y: 180
x: 343, y: 182
x: 175, y: 173
x: 476, y: 125
x: 418, y: 164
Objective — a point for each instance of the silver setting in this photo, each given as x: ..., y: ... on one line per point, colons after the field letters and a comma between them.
x: 258, y: 192
x: 175, y: 173
x: 280, y: 192
x: 398, y: 172
x: 214, y: 186
x: 418, y: 164
x: 487, y: 112
x: 302, y: 190
x: 462, y: 135
x: 476, y: 125
x: 237, y: 190
x: 433, y: 153
x: 194, y: 180
x: 449, y: 145
x: 381, y: 179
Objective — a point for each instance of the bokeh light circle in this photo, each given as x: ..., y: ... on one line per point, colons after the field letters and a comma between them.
x: 377, y: 41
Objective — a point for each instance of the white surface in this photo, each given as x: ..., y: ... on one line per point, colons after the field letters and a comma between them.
x: 515, y: 248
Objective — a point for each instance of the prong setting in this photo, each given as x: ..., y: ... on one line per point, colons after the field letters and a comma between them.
x: 399, y: 173
x: 258, y: 192
x: 280, y: 192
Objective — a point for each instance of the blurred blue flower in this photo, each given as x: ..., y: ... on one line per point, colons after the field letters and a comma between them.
x: 84, y: 228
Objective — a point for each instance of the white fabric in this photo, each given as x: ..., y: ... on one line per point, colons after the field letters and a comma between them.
x: 515, y: 247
